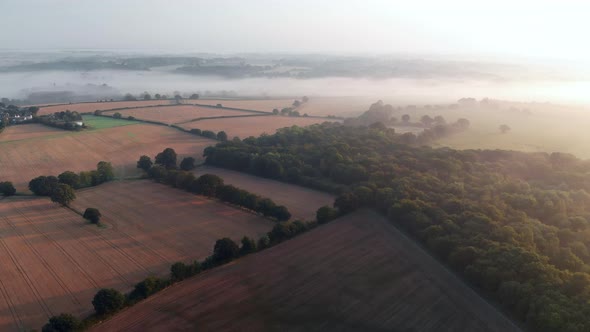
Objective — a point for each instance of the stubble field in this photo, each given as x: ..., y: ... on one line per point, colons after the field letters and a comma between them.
x: 177, y: 114
x: 251, y: 126
x: 302, y: 202
x: 264, y: 105
x: 33, y: 155
x: 53, y: 261
x: 357, y: 273
x: 91, y: 107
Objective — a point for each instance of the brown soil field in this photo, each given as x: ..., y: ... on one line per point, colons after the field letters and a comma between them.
x: 251, y: 126
x: 21, y: 132
x: 53, y: 261
x: 338, y: 106
x: 176, y: 114
x: 302, y: 202
x: 358, y: 273
x: 24, y: 159
x: 265, y: 105
x: 91, y: 107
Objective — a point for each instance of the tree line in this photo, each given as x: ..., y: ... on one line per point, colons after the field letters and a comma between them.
x: 164, y: 170
x: 61, y: 188
x: 515, y: 225
x: 109, y: 301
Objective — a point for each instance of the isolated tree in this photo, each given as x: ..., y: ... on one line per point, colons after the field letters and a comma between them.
x: 225, y: 249
x: 275, y: 111
x: 117, y: 115
x: 194, y: 96
x: 147, y: 96
x: 70, y: 178
x: 63, y: 194
x: 405, y: 118
x: 157, y: 96
x: 108, y: 301
x: 187, y: 164
x: 504, y: 129
x: 222, y: 136
x: 296, y: 103
x: 167, y: 158
x: 7, y: 189
x: 62, y: 323
x: 93, y: 215
x: 178, y: 98
x: 305, y: 99
x: 144, y: 163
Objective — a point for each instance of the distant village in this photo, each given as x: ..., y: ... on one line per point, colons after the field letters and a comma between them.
x: 10, y: 114
x: 14, y: 115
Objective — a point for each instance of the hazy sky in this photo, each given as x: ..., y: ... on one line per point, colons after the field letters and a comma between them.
x: 547, y: 29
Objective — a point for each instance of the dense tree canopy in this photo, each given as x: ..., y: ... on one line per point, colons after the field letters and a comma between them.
x: 516, y: 225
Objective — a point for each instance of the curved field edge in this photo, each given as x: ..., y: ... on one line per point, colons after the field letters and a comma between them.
x: 357, y: 273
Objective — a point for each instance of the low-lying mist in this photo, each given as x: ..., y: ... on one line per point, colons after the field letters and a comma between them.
x: 393, y: 90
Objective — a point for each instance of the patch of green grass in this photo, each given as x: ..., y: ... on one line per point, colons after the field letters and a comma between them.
x: 101, y: 122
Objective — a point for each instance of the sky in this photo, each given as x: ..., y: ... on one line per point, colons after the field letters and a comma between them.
x: 516, y: 28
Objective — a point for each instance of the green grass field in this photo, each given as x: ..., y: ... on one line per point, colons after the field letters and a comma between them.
x: 101, y: 122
